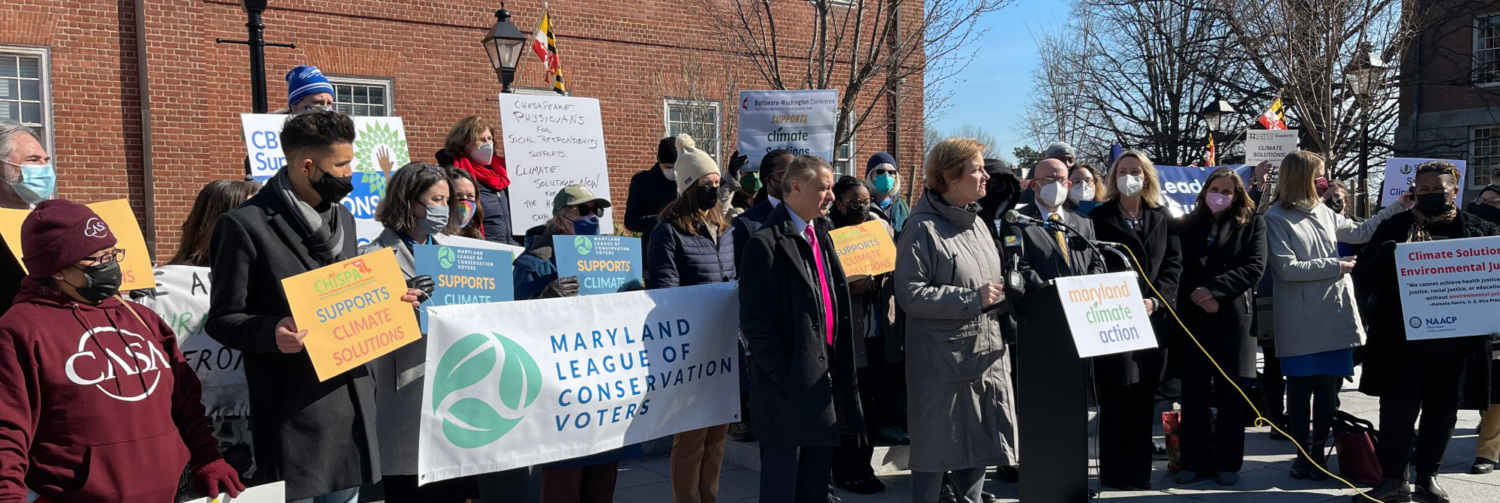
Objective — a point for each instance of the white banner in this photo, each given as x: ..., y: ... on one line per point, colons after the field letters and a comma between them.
x: 1269, y: 145
x: 800, y: 121
x: 1449, y: 288
x: 552, y: 142
x: 1401, y: 172
x: 379, y: 150
x: 1106, y: 313
x: 514, y: 384
x: 182, y: 301
x: 269, y: 493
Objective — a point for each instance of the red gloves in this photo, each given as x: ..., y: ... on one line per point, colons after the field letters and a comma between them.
x: 216, y: 477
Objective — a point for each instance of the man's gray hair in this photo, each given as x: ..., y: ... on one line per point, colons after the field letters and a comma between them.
x: 8, y: 132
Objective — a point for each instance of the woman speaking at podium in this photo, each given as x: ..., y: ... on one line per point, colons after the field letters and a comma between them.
x: 1133, y: 215
x: 957, y: 376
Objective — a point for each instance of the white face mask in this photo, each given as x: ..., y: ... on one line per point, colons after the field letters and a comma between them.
x: 483, y: 154
x: 1130, y: 185
x: 671, y: 174
x: 1081, y: 192
x: 1052, y: 195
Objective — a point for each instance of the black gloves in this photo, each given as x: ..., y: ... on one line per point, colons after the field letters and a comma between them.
x: 737, y: 161
x: 423, y: 283
x: 561, y: 287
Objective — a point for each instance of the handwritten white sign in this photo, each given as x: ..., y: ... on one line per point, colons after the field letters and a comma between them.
x: 1401, y: 172
x: 552, y: 142
x: 1269, y: 145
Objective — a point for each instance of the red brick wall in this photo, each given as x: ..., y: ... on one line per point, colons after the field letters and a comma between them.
x: 626, y: 55
x: 1442, y: 58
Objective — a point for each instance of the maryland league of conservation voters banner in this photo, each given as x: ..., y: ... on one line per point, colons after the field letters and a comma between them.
x: 1401, y: 172
x: 181, y: 300
x: 379, y: 149
x: 865, y: 249
x: 115, y: 216
x: 464, y: 275
x: 1449, y: 288
x: 1106, y: 313
x: 802, y: 122
x: 552, y: 142
x: 352, y: 311
x: 515, y: 384
x: 603, y: 264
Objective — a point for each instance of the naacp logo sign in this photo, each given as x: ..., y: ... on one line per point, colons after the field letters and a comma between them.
x: 1415, y: 322
x: 474, y: 422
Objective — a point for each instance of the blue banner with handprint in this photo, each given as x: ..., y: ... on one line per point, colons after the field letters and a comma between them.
x: 603, y: 264
x: 464, y: 275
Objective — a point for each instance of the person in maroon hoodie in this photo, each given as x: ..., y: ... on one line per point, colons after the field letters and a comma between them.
x: 98, y: 403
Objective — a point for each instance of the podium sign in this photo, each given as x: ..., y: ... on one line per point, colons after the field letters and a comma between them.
x: 1106, y: 313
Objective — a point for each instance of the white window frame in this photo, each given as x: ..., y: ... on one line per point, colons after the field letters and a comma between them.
x: 44, y: 70
x: 388, y: 85
x: 718, y: 139
x: 1475, y: 165
x: 843, y: 159
x: 1479, y: 24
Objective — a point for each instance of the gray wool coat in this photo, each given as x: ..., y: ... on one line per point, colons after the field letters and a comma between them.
x: 1314, y: 305
x: 961, y: 411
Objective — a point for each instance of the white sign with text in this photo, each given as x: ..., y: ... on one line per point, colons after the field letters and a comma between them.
x: 552, y: 142
x: 1106, y: 313
x: 181, y: 299
x: 1401, y: 172
x: 1269, y: 145
x: 802, y: 122
x: 1449, y: 288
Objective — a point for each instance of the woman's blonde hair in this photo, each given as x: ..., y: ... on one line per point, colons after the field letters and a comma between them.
x: 467, y: 132
x: 948, y: 161
x: 1296, y: 184
x: 1151, y: 191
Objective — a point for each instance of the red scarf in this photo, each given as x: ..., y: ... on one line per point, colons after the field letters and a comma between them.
x: 494, y: 176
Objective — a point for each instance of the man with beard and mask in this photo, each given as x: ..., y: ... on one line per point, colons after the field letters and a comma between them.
x: 26, y: 178
x: 886, y: 179
x: 1432, y: 378
x: 318, y: 436
x: 1487, y: 448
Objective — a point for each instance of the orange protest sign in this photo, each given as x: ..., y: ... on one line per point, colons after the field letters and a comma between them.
x: 352, y: 311
x: 865, y: 249
x: 135, y: 270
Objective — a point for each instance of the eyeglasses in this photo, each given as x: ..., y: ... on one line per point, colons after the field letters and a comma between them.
x: 1488, y: 201
x: 1051, y: 180
x: 115, y: 255
x: 883, y: 171
x: 584, y: 211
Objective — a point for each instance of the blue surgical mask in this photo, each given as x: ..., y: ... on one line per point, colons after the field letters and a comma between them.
x: 38, y: 182
x: 586, y: 226
x: 884, y: 183
x: 436, y: 221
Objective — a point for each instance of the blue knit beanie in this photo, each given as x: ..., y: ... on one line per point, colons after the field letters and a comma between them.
x: 304, y: 81
x: 878, y: 159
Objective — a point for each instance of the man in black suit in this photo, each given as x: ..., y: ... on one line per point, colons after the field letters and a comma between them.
x: 1047, y: 253
x: 317, y: 436
x: 795, y: 313
x: 771, y: 168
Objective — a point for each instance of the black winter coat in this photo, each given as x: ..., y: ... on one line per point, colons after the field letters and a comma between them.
x: 10, y: 277
x: 746, y: 225
x: 801, y: 392
x: 650, y: 191
x: 679, y: 259
x: 319, y: 437
x: 1229, y: 264
x: 1386, y: 349
x: 1160, y: 255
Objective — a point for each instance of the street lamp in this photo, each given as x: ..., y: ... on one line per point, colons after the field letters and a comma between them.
x: 257, y: 42
x: 503, y: 45
x: 1214, y: 115
x: 1365, y: 75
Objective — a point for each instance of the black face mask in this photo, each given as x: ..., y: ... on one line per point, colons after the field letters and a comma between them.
x: 332, y: 188
x: 103, y: 282
x: 1432, y: 204
x: 1335, y: 203
x: 708, y: 197
x: 1485, y: 211
x: 856, y: 214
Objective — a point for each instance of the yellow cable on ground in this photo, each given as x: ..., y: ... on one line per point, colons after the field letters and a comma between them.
x: 1259, y: 419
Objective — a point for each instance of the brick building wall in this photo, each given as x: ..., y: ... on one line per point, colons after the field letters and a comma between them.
x: 629, y: 56
x: 1449, y: 103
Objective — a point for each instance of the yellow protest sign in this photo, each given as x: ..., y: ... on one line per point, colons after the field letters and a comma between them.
x: 865, y: 249
x: 352, y: 311
x: 135, y: 270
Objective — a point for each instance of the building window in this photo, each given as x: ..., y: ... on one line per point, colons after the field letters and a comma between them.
x: 361, y: 97
x: 1484, y: 156
x: 843, y: 161
x: 699, y: 119
x: 25, y: 92
x: 1487, y: 50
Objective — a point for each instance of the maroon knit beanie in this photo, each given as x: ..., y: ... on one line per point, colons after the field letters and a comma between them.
x: 59, y: 233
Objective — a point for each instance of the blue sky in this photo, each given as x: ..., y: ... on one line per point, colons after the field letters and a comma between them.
x: 996, y: 87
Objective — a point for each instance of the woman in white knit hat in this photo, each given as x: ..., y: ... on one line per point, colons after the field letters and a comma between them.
x: 693, y: 245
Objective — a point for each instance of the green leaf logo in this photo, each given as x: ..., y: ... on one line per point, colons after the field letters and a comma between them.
x: 446, y: 257
x: 584, y: 244
x: 378, y: 150
x: 470, y: 422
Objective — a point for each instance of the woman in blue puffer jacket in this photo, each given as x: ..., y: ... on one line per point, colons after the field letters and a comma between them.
x: 693, y: 245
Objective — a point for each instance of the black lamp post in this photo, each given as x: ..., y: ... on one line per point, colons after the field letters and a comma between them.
x: 1214, y: 114
x: 1365, y: 75
x: 503, y: 45
x: 257, y: 43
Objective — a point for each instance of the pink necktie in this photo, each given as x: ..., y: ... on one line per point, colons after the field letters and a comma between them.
x: 812, y: 239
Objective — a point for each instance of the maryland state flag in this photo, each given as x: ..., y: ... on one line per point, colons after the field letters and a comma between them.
x: 1274, y: 118
x: 1212, y: 159
x: 544, y: 44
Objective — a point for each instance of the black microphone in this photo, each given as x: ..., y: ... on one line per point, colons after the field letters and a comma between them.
x: 1014, y: 244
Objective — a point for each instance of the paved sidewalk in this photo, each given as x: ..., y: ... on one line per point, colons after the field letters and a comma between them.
x: 1264, y: 477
